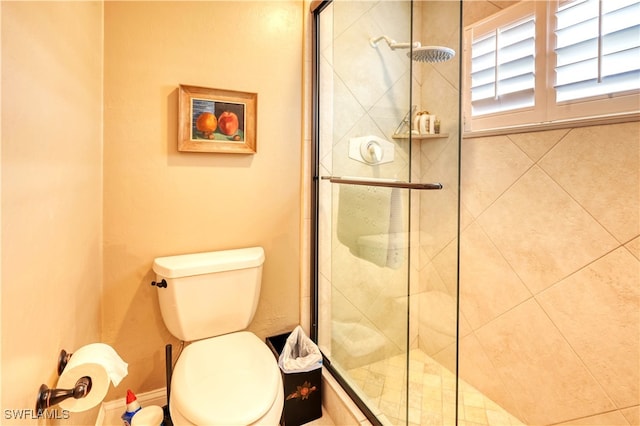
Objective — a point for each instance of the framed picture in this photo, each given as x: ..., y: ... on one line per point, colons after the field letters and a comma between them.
x: 215, y: 120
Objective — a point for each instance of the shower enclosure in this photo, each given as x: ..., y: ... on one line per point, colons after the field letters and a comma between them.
x: 386, y: 191
x: 512, y: 298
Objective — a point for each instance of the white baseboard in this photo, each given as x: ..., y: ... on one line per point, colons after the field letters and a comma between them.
x: 110, y: 411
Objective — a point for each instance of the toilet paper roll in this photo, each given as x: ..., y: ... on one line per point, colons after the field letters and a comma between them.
x: 98, y: 361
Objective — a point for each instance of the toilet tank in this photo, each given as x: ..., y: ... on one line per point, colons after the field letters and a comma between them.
x: 209, y: 294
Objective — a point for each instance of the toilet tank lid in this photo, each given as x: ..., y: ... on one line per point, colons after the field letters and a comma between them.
x: 186, y: 265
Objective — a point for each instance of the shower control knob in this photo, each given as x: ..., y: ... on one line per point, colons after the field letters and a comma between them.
x: 161, y: 284
x: 371, y: 152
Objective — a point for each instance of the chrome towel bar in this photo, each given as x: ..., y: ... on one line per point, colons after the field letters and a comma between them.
x: 388, y: 183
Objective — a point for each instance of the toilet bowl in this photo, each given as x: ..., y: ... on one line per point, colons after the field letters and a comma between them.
x: 226, y: 380
x: 225, y: 375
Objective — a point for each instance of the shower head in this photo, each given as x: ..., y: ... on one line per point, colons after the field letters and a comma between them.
x: 431, y: 54
x: 418, y: 53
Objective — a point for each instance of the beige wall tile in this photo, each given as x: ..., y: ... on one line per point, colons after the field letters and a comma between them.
x: 439, y: 222
x: 437, y: 324
x: 536, y: 144
x: 490, y: 165
x: 350, y: 111
x: 346, y: 13
x: 365, y: 70
x: 488, y: 284
x: 477, y: 10
x: 613, y: 418
x: 439, y: 27
x: 634, y: 247
x: 430, y: 279
x: 597, y: 310
x: 523, y: 341
x: 600, y: 167
x: 445, y: 264
x: 439, y: 95
x: 476, y: 369
x: 542, y: 232
x: 632, y: 414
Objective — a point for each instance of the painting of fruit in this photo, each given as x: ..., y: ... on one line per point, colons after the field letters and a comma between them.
x: 222, y: 121
x: 215, y: 120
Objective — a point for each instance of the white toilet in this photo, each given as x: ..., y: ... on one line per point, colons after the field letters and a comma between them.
x: 226, y: 376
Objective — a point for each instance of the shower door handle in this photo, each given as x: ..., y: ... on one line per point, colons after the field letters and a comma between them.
x: 387, y: 183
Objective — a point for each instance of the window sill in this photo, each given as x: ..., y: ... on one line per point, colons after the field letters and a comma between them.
x: 554, y: 125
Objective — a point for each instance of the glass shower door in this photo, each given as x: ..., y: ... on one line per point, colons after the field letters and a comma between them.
x: 364, y: 221
x: 373, y: 259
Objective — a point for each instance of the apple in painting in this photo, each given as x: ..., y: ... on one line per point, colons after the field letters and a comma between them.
x: 228, y: 123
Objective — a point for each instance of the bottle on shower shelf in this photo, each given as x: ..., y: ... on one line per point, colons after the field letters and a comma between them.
x: 416, y: 122
x: 424, y: 123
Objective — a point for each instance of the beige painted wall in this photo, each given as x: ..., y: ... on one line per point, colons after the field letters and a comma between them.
x: 51, y: 192
x: 60, y: 222
x: 160, y: 202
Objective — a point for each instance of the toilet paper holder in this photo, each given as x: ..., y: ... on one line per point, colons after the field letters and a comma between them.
x: 48, y: 397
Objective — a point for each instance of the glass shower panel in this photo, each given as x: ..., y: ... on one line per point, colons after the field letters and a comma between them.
x: 381, y: 281
x: 364, y: 262
x: 433, y: 381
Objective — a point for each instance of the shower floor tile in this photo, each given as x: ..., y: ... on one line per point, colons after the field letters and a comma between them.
x: 431, y: 396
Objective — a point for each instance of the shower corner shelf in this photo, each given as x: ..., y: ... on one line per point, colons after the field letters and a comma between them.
x: 419, y: 137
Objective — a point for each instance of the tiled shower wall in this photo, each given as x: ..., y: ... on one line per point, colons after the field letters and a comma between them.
x: 550, y: 272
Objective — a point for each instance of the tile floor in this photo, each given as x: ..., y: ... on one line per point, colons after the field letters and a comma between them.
x: 431, y: 394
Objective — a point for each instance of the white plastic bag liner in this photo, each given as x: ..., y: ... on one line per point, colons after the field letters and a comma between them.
x: 299, y: 354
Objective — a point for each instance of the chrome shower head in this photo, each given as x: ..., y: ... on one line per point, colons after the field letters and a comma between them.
x: 431, y: 54
x: 418, y: 53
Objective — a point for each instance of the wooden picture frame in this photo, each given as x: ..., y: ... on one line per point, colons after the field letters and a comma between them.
x: 216, y: 120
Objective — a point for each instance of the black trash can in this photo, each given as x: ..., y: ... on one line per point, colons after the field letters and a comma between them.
x: 302, y: 391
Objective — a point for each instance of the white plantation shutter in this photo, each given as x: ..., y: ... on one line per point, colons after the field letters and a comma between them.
x: 597, y: 48
x: 503, y: 68
x: 550, y: 62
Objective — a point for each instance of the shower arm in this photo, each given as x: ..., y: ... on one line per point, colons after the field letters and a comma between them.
x: 393, y: 44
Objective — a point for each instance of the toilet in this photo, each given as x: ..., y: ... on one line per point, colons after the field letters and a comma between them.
x: 225, y: 375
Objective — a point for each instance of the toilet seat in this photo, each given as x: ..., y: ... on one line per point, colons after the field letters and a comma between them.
x: 232, y: 379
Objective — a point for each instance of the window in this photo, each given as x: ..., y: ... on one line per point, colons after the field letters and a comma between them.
x: 592, y: 68
x: 503, y: 68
